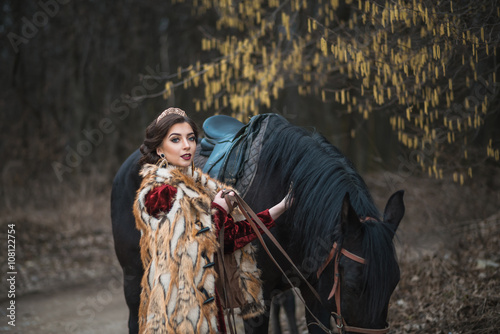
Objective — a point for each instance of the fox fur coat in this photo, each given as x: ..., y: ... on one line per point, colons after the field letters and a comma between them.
x: 175, y: 285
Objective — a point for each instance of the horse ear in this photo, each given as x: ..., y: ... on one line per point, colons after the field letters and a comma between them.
x: 349, y: 219
x: 395, y: 209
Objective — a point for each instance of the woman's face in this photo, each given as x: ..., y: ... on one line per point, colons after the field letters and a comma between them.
x: 179, y: 145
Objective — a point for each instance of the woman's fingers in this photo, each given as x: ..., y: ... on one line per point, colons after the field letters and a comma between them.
x: 221, y: 201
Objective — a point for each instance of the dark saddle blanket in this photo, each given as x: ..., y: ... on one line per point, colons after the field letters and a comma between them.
x: 233, y: 148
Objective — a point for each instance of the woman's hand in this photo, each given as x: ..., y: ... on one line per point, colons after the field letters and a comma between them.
x: 221, y: 201
x: 281, y: 207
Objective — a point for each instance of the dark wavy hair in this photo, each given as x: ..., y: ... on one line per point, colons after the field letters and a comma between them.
x: 156, y: 132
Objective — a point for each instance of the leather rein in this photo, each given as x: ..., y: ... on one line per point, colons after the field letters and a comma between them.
x: 253, y: 220
x: 339, y: 320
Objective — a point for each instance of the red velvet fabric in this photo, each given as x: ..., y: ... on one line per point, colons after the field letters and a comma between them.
x: 160, y: 199
x: 236, y: 234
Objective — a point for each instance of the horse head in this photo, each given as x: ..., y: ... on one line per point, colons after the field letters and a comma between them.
x: 365, y: 267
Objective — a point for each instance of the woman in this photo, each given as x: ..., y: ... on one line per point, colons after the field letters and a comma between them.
x: 180, y: 211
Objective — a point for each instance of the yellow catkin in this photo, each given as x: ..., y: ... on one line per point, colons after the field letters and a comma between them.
x: 168, y: 89
x: 324, y: 46
x: 386, y: 70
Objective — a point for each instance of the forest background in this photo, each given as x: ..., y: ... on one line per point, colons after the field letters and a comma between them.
x: 407, y: 90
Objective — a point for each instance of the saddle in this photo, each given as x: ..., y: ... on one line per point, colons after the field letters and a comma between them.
x: 233, y: 149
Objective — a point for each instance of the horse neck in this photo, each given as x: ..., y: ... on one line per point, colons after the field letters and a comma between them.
x: 321, y: 176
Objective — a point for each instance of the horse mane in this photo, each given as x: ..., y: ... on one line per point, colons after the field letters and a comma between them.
x: 381, y: 258
x: 321, y: 175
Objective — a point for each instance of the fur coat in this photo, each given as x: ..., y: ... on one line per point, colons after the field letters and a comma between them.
x: 176, y: 246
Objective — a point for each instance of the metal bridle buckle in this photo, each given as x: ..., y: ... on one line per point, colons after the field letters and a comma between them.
x: 338, y: 319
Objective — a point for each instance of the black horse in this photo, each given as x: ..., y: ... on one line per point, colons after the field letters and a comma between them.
x: 331, y: 205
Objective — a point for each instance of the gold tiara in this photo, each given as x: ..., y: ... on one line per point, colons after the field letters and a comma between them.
x: 169, y: 111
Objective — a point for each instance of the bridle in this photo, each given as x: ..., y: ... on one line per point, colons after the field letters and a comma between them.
x: 342, y: 326
x: 339, y: 320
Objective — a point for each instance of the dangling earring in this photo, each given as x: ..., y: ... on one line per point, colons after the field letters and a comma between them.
x: 162, y: 162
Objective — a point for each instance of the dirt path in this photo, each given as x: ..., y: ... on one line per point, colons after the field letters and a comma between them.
x: 94, y: 308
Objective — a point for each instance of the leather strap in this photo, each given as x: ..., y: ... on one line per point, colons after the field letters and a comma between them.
x: 342, y: 327
x: 254, y: 220
x: 226, y: 291
x: 350, y: 255
x: 367, y: 330
x: 340, y: 322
